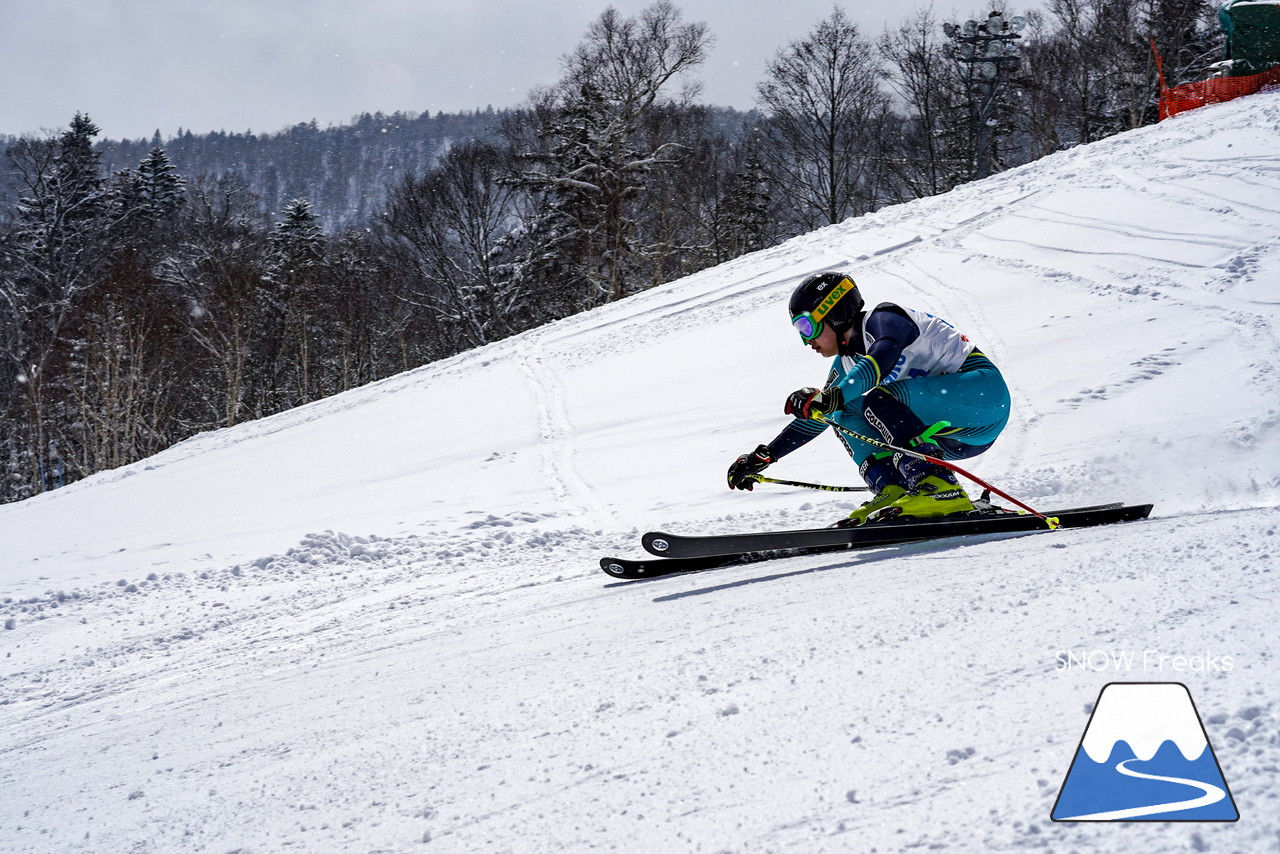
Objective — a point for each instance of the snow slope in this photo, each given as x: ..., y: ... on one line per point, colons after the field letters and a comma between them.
x: 376, y: 623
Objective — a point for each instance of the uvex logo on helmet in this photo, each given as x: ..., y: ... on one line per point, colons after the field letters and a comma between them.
x: 831, y: 295
x: 832, y: 298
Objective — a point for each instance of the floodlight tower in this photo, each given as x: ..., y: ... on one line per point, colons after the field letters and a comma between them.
x: 988, y: 51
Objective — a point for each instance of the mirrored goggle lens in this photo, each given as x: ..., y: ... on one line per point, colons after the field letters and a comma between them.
x: 807, y: 326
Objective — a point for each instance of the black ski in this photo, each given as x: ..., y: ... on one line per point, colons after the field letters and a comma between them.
x: 653, y: 567
x: 887, y: 532
x: 779, y: 544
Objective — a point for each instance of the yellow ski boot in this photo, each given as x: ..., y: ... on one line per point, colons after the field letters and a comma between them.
x: 885, y: 498
x: 935, y: 495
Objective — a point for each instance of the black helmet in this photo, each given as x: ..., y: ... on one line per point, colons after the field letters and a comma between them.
x: 826, y: 297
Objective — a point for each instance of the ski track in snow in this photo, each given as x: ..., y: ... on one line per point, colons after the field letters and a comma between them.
x: 558, y: 443
x: 655, y: 313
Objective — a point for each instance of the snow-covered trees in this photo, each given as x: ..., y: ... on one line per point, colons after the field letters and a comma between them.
x: 219, y: 279
x: 587, y: 154
x: 295, y: 279
x: 152, y: 191
x: 746, y: 215
x: 54, y: 254
x: 137, y: 310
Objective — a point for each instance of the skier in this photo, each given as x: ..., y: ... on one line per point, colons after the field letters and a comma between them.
x: 900, y: 374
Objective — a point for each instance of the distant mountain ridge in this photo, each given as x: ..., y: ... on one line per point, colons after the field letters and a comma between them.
x: 344, y: 171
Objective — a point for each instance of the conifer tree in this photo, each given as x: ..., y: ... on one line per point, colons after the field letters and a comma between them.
x: 57, y: 251
x: 746, y: 210
x: 587, y: 157
x: 295, y: 273
x: 159, y: 187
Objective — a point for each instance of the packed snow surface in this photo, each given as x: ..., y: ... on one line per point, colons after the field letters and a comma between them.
x: 377, y: 623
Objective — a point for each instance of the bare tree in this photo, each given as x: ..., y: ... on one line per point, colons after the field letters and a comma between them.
x: 1093, y: 72
x: 218, y: 272
x: 125, y: 368
x: 448, y: 225
x: 825, y: 109
x: 925, y: 80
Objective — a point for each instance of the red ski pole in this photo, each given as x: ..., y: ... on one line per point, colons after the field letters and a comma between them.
x: 878, y: 443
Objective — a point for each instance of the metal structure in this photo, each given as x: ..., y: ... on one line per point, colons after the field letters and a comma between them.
x: 990, y: 54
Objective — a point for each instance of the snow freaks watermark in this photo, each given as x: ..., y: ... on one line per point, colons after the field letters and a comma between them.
x: 1145, y: 756
x: 1144, y: 661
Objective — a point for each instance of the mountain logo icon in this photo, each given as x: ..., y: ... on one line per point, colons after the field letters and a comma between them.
x: 1145, y: 756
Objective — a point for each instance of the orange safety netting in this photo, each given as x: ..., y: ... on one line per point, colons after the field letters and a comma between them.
x: 1212, y: 91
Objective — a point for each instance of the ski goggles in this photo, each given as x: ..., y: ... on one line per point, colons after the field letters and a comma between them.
x: 808, y: 328
x: 809, y: 323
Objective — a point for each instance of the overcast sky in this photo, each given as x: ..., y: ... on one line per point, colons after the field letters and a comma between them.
x: 136, y: 66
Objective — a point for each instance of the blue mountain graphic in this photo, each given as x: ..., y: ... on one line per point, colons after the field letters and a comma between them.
x: 1101, y: 787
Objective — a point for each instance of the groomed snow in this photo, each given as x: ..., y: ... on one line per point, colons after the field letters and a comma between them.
x: 376, y: 623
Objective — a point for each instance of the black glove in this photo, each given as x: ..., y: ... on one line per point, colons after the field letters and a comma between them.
x: 742, y: 474
x: 810, y: 402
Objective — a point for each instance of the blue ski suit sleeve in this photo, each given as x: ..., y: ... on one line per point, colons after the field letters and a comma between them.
x: 798, y: 432
x: 891, y: 332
